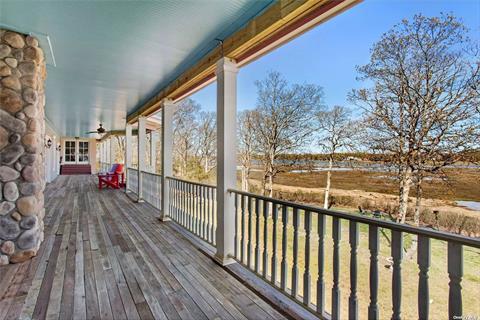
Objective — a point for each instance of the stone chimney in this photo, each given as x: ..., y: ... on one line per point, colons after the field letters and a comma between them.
x: 22, y: 131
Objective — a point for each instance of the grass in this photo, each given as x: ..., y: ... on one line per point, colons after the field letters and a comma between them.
x: 462, y: 183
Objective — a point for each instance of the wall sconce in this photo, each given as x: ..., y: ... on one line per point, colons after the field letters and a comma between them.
x: 49, y: 143
x: 59, y: 147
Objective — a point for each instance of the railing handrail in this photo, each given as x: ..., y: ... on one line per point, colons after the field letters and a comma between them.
x: 192, y: 182
x: 440, y: 235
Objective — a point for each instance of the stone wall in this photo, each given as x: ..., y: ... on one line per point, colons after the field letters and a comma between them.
x: 22, y: 127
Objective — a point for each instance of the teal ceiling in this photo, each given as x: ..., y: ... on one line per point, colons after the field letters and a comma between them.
x: 106, y: 58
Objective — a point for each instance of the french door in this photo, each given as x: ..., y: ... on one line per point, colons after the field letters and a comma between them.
x: 76, y: 152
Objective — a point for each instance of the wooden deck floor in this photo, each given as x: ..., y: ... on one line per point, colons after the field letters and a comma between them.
x: 105, y: 257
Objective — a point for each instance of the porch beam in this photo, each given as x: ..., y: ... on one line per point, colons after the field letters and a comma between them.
x: 226, y: 73
x: 142, y: 142
x: 128, y: 152
x: 168, y: 110
x: 277, y: 25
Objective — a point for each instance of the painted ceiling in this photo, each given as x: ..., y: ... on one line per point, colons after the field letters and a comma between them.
x: 106, y: 58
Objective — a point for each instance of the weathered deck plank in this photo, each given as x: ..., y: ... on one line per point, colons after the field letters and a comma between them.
x: 105, y: 257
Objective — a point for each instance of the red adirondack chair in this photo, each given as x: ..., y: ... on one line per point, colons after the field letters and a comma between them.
x: 115, y: 178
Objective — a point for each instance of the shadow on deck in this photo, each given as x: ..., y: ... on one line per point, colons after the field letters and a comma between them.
x: 107, y: 257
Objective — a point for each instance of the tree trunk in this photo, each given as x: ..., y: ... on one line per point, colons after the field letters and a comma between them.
x: 405, y: 182
x: 418, y: 202
x: 270, y: 185
x: 329, y: 178
x: 244, y: 179
x: 206, y: 165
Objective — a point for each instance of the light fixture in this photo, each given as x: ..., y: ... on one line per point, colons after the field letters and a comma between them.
x: 59, y: 147
x: 49, y: 143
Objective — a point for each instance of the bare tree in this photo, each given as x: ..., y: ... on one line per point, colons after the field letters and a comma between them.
x: 184, y: 132
x: 207, y: 139
x: 120, y: 154
x: 336, y: 132
x: 420, y: 110
x: 246, y: 144
x: 283, y: 122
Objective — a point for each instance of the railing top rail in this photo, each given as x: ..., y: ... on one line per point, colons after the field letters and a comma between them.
x: 192, y: 182
x: 440, y: 235
x: 152, y: 173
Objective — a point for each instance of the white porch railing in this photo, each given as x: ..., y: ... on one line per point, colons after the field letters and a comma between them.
x: 193, y: 206
x: 152, y: 186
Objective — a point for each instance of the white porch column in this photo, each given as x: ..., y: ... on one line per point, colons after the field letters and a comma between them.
x: 112, y: 150
x: 153, y: 150
x: 128, y: 152
x: 142, y: 141
x: 100, y: 154
x: 168, y: 109
x: 226, y: 158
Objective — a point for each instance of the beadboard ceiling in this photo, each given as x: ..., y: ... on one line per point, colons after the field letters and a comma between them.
x: 106, y: 58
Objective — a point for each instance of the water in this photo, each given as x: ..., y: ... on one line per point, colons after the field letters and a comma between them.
x: 472, y: 205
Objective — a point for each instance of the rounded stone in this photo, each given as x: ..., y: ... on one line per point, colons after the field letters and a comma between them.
x: 31, y: 41
x: 18, y: 166
x: 12, y: 62
x: 28, y: 239
x: 21, y: 256
x: 27, y: 205
x: 30, y: 111
x: 27, y: 67
x: 14, y: 39
x: 9, y: 229
x: 14, y: 138
x: 30, y: 141
x: 28, y: 158
x: 4, y: 50
x: 17, y: 54
x: 8, y: 248
x: 3, y: 138
x: 10, y: 100
x: 29, y: 81
x: 20, y: 115
x: 30, y: 95
x: 12, y: 82
x: 29, y: 222
x: 11, y: 123
x: 32, y: 53
x: 5, y: 71
x: 8, y: 174
x: 30, y: 174
x: 34, y: 125
x: 10, y: 191
x: 16, y: 216
x: 3, y: 260
x: 6, y: 207
x: 11, y: 154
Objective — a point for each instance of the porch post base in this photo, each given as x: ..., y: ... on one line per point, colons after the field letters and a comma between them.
x: 164, y: 218
x: 224, y: 261
x: 139, y: 201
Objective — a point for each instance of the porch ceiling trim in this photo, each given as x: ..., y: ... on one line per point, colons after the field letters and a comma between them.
x: 279, y: 24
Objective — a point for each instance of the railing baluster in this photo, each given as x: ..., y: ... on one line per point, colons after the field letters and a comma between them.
x: 214, y: 216
x: 397, y: 255
x: 249, y: 245
x: 307, y: 277
x: 195, y: 209
x: 242, y: 234
x: 235, y: 232
x: 265, y: 238
x: 455, y: 274
x: 205, y: 223
x: 352, y: 299
x: 284, y: 263
x: 295, y: 254
x: 336, y: 235
x: 423, y: 261
x: 373, y: 247
x: 274, y: 243
x: 257, y: 235
x: 321, y: 264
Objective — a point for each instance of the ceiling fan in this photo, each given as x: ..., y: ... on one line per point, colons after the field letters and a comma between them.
x: 100, y: 130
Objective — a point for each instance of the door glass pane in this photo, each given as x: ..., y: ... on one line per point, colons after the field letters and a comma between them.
x: 83, y: 151
x: 70, y: 151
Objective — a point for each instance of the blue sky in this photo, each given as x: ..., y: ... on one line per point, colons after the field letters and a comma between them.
x: 327, y: 55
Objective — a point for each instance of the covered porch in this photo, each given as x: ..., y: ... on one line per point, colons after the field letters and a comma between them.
x: 107, y: 257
